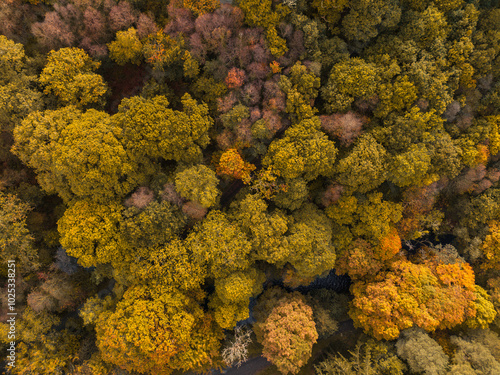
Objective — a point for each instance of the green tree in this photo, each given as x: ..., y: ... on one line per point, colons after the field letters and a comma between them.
x: 304, y: 151
x: 198, y: 183
x: 126, y: 48
x: 477, y: 352
x: 348, y: 80
x: 233, y: 117
x: 152, y: 129
x: 426, y: 27
x: 331, y: 10
x: 422, y: 353
x: 329, y: 308
x: 16, y: 242
x: 364, y: 167
x: 220, y: 245
x: 69, y: 76
x: 301, y: 88
x: 366, y: 18
x: 370, y: 358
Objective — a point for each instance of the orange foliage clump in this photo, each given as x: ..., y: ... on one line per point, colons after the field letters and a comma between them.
x: 389, y: 246
x: 361, y: 258
x: 432, y: 295
x: 358, y: 260
x: 483, y: 154
x: 289, y: 334
x: 275, y: 67
x: 232, y: 164
x: 235, y: 78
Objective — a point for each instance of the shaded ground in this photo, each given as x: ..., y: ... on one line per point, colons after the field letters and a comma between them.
x: 124, y: 81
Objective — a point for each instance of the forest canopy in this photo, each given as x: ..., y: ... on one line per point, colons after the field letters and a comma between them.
x: 185, y: 185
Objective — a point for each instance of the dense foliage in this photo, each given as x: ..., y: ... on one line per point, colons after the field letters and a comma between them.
x: 173, y: 171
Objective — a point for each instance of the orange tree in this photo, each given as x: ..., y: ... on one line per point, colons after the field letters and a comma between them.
x: 433, y: 294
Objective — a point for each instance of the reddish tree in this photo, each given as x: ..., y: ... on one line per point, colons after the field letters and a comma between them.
x: 258, y: 69
x: 332, y: 194
x: 235, y: 78
x: 170, y: 194
x: 194, y: 210
x: 122, y: 16
x: 226, y: 103
x: 53, y: 32
x: 418, y: 202
x: 180, y: 20
x: 346, y: 127
x: 244, y: 132
x: 255, y: 114
x: 226, y: 139
x: 289, y: 334
x: 146, y: 26
x: 95, y: 24
x: 140, y: 198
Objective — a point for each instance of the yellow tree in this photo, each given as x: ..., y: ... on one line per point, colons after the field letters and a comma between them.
x: 16, y: 242
x: 157, y: 333
x: 198, y: 183
x: 152, y: 129
x: 78, y: 154
x: 301, y: 88
x: 126, y: 48
x: 232, y: 296
x: 69, y: 75
x: 265, y: 230
x: 201, y: 7
x: 268, y: 16
x: 310, y: 241
x: 304, y: 151
x: 166, y: 267
x: 40, y: 348
x: 491, y: 246
x: 220, y: 245
x: 364, y: 167
x: 90, y: 232
x: 349, y: 79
